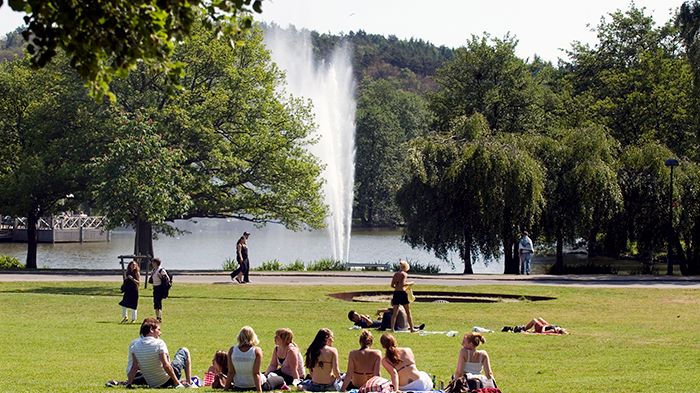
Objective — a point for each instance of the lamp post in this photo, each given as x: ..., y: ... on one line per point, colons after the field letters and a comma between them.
x: 672, y: 163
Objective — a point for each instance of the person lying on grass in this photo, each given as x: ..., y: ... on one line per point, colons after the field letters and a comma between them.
x: 366, y: 322
x: 540, y: 327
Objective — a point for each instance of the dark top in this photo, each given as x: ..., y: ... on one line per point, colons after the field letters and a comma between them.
x: 244, y: 249
x: 131, y: 293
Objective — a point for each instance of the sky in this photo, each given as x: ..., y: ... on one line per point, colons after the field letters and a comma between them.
x: 542, y: 27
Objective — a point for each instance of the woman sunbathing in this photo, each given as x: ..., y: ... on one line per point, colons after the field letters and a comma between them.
x: 540, y: 326
x: 286, y: 360
x: 363, y: 363
x: 401, y: 366
x: 472, y: 362
x: 322, y: 360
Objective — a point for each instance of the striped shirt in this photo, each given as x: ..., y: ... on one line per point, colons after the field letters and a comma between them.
x: 147, y: 351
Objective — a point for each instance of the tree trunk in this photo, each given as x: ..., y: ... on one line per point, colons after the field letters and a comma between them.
x: 32, y: 240
x: 559, y: 259
x: 143, y: 243
x: 592, y: 246
x: 466, y: 254
x: 512, y: 263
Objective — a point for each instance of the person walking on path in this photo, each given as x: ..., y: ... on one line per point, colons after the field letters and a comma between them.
x: 242, y: 258
x: 130, y: 287
x: 160, y: 281
x: 525, y: 250
x: 400, y: 298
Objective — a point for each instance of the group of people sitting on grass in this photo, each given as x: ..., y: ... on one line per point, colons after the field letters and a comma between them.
x: 240, y: 368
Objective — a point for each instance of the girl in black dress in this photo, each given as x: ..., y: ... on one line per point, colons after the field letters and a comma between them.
x: 130, y: 287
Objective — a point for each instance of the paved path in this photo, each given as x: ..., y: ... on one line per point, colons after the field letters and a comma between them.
x: 368, y: 278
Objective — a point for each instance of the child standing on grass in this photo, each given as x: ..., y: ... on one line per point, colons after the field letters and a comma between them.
x: 130, y: 287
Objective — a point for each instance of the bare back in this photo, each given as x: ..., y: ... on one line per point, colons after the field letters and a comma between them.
x: 398, y: 282
x: 363, y: 364
x: 326, y: 369
x: 405, y: 371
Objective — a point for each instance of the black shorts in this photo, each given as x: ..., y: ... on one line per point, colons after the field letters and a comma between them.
x: 158, y: 296
x: 400, y: 298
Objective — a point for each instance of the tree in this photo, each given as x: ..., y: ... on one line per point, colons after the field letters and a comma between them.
x: 386, y: 118
x: 49, y: 130
x: 470, y: 191
x: 487, y: 77
x: 639, y: 83
x: 242, y: 139
x: 107, y: 38
x: 582, y: 190
x: 140, y: 180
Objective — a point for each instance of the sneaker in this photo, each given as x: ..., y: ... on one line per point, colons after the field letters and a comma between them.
x: 111, y: 384
x: 238, y: 280
x: 421, y: 326
x: 159, y: 319
x: 124, y: 320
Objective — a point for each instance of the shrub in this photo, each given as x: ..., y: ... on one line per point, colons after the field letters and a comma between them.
x: 270, y: 266
x: 325, y: 265
x: 589, y: 268
x: 230, y: 264
x: 296, y: 266
x: 10, y: 263
x: 419, y: 268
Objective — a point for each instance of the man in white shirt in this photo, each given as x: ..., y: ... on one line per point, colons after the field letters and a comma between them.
x: 149, y: 354
x: 525, y: 249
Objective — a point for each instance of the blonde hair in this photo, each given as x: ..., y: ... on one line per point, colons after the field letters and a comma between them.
x: 474, y: 338
x: 247, y: 336
x: 404, y: 266
x: 285, y: 335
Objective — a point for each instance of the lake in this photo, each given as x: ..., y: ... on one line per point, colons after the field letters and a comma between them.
x: 211, y: 241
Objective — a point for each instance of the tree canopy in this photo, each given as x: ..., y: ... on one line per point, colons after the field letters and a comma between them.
x: 107, y: 38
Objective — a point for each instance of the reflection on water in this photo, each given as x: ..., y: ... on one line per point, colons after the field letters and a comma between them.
x: 211, y: 241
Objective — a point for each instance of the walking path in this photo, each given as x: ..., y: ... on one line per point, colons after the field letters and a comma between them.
x: 368, y: 278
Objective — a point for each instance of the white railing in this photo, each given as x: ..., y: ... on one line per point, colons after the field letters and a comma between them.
x: 64, y: 222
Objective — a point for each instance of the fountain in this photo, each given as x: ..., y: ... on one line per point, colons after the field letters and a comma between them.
x: 330, y: 86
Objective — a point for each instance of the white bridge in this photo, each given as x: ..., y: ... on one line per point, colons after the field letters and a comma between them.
x: 57, y: 229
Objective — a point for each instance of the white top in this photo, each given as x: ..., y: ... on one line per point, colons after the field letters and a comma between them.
x: 157, y: 274
x: 147, y: 351
x: 243, y: 363
x: 473, y: 367
x: 525, y: 245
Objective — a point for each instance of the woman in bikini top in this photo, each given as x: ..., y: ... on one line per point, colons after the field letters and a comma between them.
x: 322, y: 359
x: 363, y: 363
x: 399, y: 362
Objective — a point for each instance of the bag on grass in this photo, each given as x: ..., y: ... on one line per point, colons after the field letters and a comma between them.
x: 457, y: 385
x: 377, y: 384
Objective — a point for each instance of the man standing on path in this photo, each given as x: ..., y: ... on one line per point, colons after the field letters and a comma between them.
x: 525, y: 249
x: 242, y: 258
x: 149, y: 354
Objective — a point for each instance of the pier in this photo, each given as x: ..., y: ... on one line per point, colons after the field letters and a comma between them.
x: 57, y: 229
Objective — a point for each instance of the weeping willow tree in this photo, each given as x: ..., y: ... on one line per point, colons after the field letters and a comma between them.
x: 469, y: 191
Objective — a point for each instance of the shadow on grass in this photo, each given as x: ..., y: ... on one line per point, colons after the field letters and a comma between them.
x: 113, y: 292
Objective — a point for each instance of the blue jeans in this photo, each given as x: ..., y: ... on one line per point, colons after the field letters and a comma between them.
x: 525, y: 262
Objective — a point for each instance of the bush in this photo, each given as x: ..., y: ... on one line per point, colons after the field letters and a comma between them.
x: 589, y: 268
x: 324, y: 265
x: 10, y: 263
x: 230, y: 264
x: 296, y: 266
x: 419, y: 268
x: 270, y: 266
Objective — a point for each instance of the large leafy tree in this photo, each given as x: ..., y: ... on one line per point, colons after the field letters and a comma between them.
x: 242, y: 140
x: 469, y: 191
x: 386, y: 118
x: 487, y: 77
x: 107, y: 38
x: 582, y: 190
x: 49, y: 130
x: 638, y: 83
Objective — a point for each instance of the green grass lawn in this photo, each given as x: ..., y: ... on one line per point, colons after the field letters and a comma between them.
x: 65, y: 337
